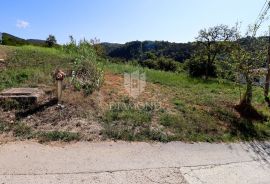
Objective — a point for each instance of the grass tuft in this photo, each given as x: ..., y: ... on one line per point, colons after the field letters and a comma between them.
x: 58, y: 136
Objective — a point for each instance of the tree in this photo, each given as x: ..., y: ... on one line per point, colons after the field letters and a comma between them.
x: 51, y: 41
x: 1, y: 38
x: 211, y: 42
x: 100, y: 50
x: 248, y: 59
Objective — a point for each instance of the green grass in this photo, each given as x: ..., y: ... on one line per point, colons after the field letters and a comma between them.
x: 24, y: 132
x: 203, y: 110
x: 58, y: 136
x: 32, y: 66
x: 200, y: 110
x: 131, y: 124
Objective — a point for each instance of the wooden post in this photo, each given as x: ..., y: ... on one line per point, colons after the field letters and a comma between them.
x: 59, y: 89
x: 59, y: 76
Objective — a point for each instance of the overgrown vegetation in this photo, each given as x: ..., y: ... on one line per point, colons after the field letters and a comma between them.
x: 23, y: 132
x: 32, y: 66
x: 87, y: 74
x: 131, y: 124
x: 197, y: 98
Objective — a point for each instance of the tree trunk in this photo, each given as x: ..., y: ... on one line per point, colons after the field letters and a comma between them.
x: 245, y: 107
x: 267, y: 77
x: 247, y: 98
x: 267, y: 82
x: 207, y: 65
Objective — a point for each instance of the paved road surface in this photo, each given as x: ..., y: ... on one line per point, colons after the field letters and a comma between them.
x: 121, y: 163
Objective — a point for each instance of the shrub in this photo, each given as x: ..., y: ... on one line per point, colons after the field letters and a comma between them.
x: 167, y: 64
x: 87, y: 76
x: 162, y: 63
x: 23, y: 131
x: 87, y: 73
x: 197, y: 68
x: 58, y: 136
x: 150, y: 63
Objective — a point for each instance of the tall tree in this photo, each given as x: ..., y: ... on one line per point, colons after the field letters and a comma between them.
x: 51, y: 41
x: 213, y: 41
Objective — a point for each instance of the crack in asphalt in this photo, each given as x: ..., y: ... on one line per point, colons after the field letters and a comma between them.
x: 210, y: 166
x: 181, y: 177
x: 196, y: 167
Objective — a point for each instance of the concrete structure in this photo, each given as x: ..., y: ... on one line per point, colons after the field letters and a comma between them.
x: 22, y: 95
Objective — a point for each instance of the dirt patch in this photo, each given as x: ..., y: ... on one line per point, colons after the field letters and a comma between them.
x: 113, y: 90
x: 82, y: 114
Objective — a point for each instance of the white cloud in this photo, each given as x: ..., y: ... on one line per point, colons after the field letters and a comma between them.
x: 22, y: 24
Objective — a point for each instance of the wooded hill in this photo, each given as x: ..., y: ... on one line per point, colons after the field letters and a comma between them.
x: 137, y: 50
x: 8, y: 39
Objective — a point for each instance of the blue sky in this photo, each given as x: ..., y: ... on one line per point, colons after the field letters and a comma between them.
x: 123, y: 20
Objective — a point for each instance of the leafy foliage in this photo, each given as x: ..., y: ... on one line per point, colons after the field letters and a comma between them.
x: 212, y: 43
x: 140, y: 50
x: 8, y: 39
x: 161, y: 63
x: 87, y: 74
x: 51, y: 41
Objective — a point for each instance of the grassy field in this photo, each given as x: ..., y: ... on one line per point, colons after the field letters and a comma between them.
x: 201, y: 110
x: 31, y: 66
x: 188, y: 109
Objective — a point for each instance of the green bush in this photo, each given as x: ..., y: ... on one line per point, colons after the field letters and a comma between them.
x: 197, y: 68
x: 162, y: 63
x: 87, y: 72
x: 150, y: 63
x: 167, y: 64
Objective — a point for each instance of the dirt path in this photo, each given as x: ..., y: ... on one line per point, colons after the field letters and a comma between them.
x: 110, y: 162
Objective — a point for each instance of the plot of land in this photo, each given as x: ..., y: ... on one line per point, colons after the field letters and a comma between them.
x: 173, y: 106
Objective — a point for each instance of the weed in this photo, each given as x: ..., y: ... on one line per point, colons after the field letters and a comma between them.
x: 57, y: 136
x: 9, y: 104
x: 23, y: 131
x: 3, y: 127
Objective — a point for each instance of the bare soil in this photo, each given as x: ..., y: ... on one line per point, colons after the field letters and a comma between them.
x: 81, y: 113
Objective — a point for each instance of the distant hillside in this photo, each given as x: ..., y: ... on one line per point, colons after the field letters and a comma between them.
x: 137, y: 50
x: 141, y: 50
x: 8, y: 39
x: 109, y: 47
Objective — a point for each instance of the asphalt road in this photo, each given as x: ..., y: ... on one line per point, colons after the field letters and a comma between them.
x: 121, y: 163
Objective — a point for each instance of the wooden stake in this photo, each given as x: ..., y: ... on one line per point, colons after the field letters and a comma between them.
x: 59, y: 90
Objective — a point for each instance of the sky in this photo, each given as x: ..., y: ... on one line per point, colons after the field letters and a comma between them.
x: 120, y: 21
